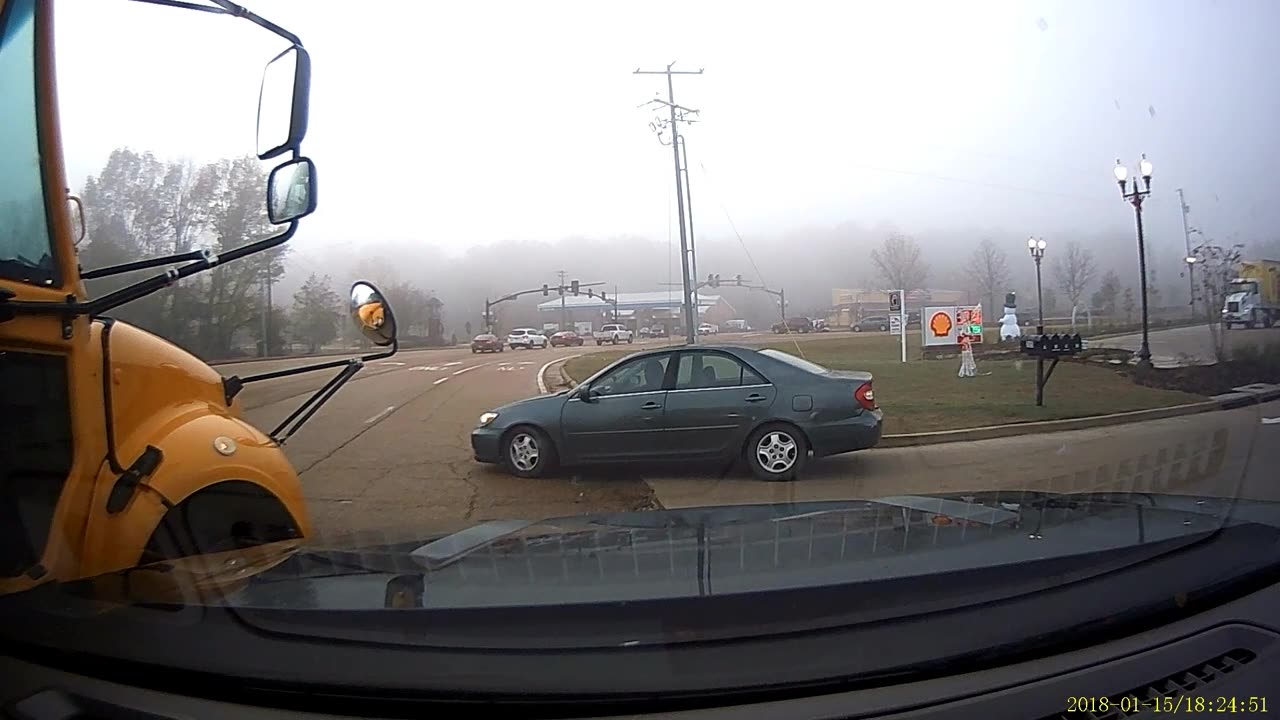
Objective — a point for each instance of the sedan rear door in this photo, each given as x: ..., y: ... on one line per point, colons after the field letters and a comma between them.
x: 715, y: 401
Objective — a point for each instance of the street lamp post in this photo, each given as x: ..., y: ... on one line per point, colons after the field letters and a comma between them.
x: 1037, y: 248
x: 1191, y: 267
x: 1135, y: 197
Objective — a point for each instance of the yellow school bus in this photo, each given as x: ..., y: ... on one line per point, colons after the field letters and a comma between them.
x: 119, y: 448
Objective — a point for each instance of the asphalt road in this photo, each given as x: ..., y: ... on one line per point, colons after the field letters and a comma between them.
x: 389, y: 456
x: 1191, y: 344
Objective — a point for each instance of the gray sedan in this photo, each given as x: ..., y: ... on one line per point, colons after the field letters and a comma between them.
x: 719, y: 402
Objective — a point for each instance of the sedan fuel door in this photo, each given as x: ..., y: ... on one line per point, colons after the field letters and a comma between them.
x: 715, y: 401
x: 618, y: 416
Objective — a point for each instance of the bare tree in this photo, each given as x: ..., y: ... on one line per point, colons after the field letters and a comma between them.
x: 900, y: 264
x: 1215, y: 268
x: 1074, y: 271
x: 988, y: 267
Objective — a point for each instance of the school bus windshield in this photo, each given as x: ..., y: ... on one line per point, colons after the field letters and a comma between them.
x: 25, y: 250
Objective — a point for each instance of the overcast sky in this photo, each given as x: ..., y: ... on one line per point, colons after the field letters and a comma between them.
x: 464, y: 123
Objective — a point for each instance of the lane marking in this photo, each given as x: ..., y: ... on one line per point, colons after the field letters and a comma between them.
x: 390, y: 409
x: 526, y: 362
x: 473, y: 367
x: 451, y: 364
x: 542, y: 372
x: 1271, y: 421
x: 427, y: 368
x: 392, y: 363
x: 437, y: 382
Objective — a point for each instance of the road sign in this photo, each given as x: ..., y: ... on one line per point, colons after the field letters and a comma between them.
x: 938, y: 326
x: 895, y: 324
x: 895, y: 301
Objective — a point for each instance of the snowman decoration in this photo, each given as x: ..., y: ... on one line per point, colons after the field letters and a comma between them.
x: 1009, y: 323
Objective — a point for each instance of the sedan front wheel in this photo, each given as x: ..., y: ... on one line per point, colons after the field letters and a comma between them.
x: 777, y: 452
x: 527, y: 452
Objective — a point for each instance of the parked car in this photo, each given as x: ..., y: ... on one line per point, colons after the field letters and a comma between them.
x: 613, y: 334
x: 527, y: 338
x: 658, y: 331
x: 820, y: 326
x: 795, y: 324
x: 566, y: 338
x: 875, y: 322
x: 486, y: 342
x: 708, y: 329
x: 765, y: 407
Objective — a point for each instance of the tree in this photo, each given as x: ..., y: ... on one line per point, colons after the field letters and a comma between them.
x: 1215, y: 268
x: 316, y: 312
x: 140, y: 207
x: 1129, y: 304
x: 1074, y: 271
x: 1104, y: 300
x: 988, y: 268
x: 900, y: 264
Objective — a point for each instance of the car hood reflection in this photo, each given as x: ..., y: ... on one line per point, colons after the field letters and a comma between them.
x: 636, y: 556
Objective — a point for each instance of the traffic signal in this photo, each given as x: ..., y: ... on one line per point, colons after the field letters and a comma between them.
x: 573, y: 286
x: 603, y: 298
x: 545, y: 290
x: 713, y: 280
x: 591, y: 293
x: 737, y: 279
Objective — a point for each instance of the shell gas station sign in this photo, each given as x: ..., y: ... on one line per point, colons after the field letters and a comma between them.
x: 951, y: 325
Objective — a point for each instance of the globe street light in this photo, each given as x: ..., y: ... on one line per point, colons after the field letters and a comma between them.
x: 1135, y: 197
x: 1036, y: 248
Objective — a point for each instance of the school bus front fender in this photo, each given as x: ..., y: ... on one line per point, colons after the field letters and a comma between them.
x: 215, y: 473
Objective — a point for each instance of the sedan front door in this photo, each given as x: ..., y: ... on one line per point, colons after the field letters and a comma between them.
x: 622, y: 418
x: 714, y: 403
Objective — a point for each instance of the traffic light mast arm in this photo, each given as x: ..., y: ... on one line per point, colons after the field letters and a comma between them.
x: 545, y: 290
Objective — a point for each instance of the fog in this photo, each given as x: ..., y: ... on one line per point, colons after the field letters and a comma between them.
x: 476, y: 149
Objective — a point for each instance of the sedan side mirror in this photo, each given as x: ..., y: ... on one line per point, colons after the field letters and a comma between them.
x: 587, y: 395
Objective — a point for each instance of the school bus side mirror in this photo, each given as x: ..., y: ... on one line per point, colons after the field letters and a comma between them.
x: 291, y: 191
x: 282, y: 102
x: 372, y: 314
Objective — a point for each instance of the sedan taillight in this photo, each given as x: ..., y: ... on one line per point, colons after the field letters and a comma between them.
x: 866, y: 396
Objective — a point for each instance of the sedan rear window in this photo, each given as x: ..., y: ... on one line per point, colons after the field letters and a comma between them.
x: 794, y: 361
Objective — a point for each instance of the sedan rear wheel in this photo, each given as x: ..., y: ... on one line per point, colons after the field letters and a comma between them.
x: 528, y: 452
x: 777, y: 452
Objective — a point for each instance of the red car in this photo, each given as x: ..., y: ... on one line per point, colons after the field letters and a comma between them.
x: 486, y: 342
x: 566, y: 338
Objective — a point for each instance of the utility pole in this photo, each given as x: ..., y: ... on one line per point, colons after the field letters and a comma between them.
x: 688, y: 192
x: 266, y: 315
x: 690, y: 330
x: 1191, y: 267
x: 563, y: 312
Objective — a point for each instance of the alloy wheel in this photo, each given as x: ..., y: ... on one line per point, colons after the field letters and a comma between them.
x: 776, y: 451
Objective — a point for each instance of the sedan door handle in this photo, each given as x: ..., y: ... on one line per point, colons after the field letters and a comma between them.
x: 756, y: 397
x: 651, y: 406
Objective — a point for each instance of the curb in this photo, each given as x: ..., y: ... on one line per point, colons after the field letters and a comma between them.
x: 1254, y: 394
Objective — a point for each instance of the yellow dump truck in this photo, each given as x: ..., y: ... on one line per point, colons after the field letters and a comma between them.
x: 1253, y: 298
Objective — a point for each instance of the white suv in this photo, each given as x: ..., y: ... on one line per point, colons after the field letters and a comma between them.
x: 527, y: 338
